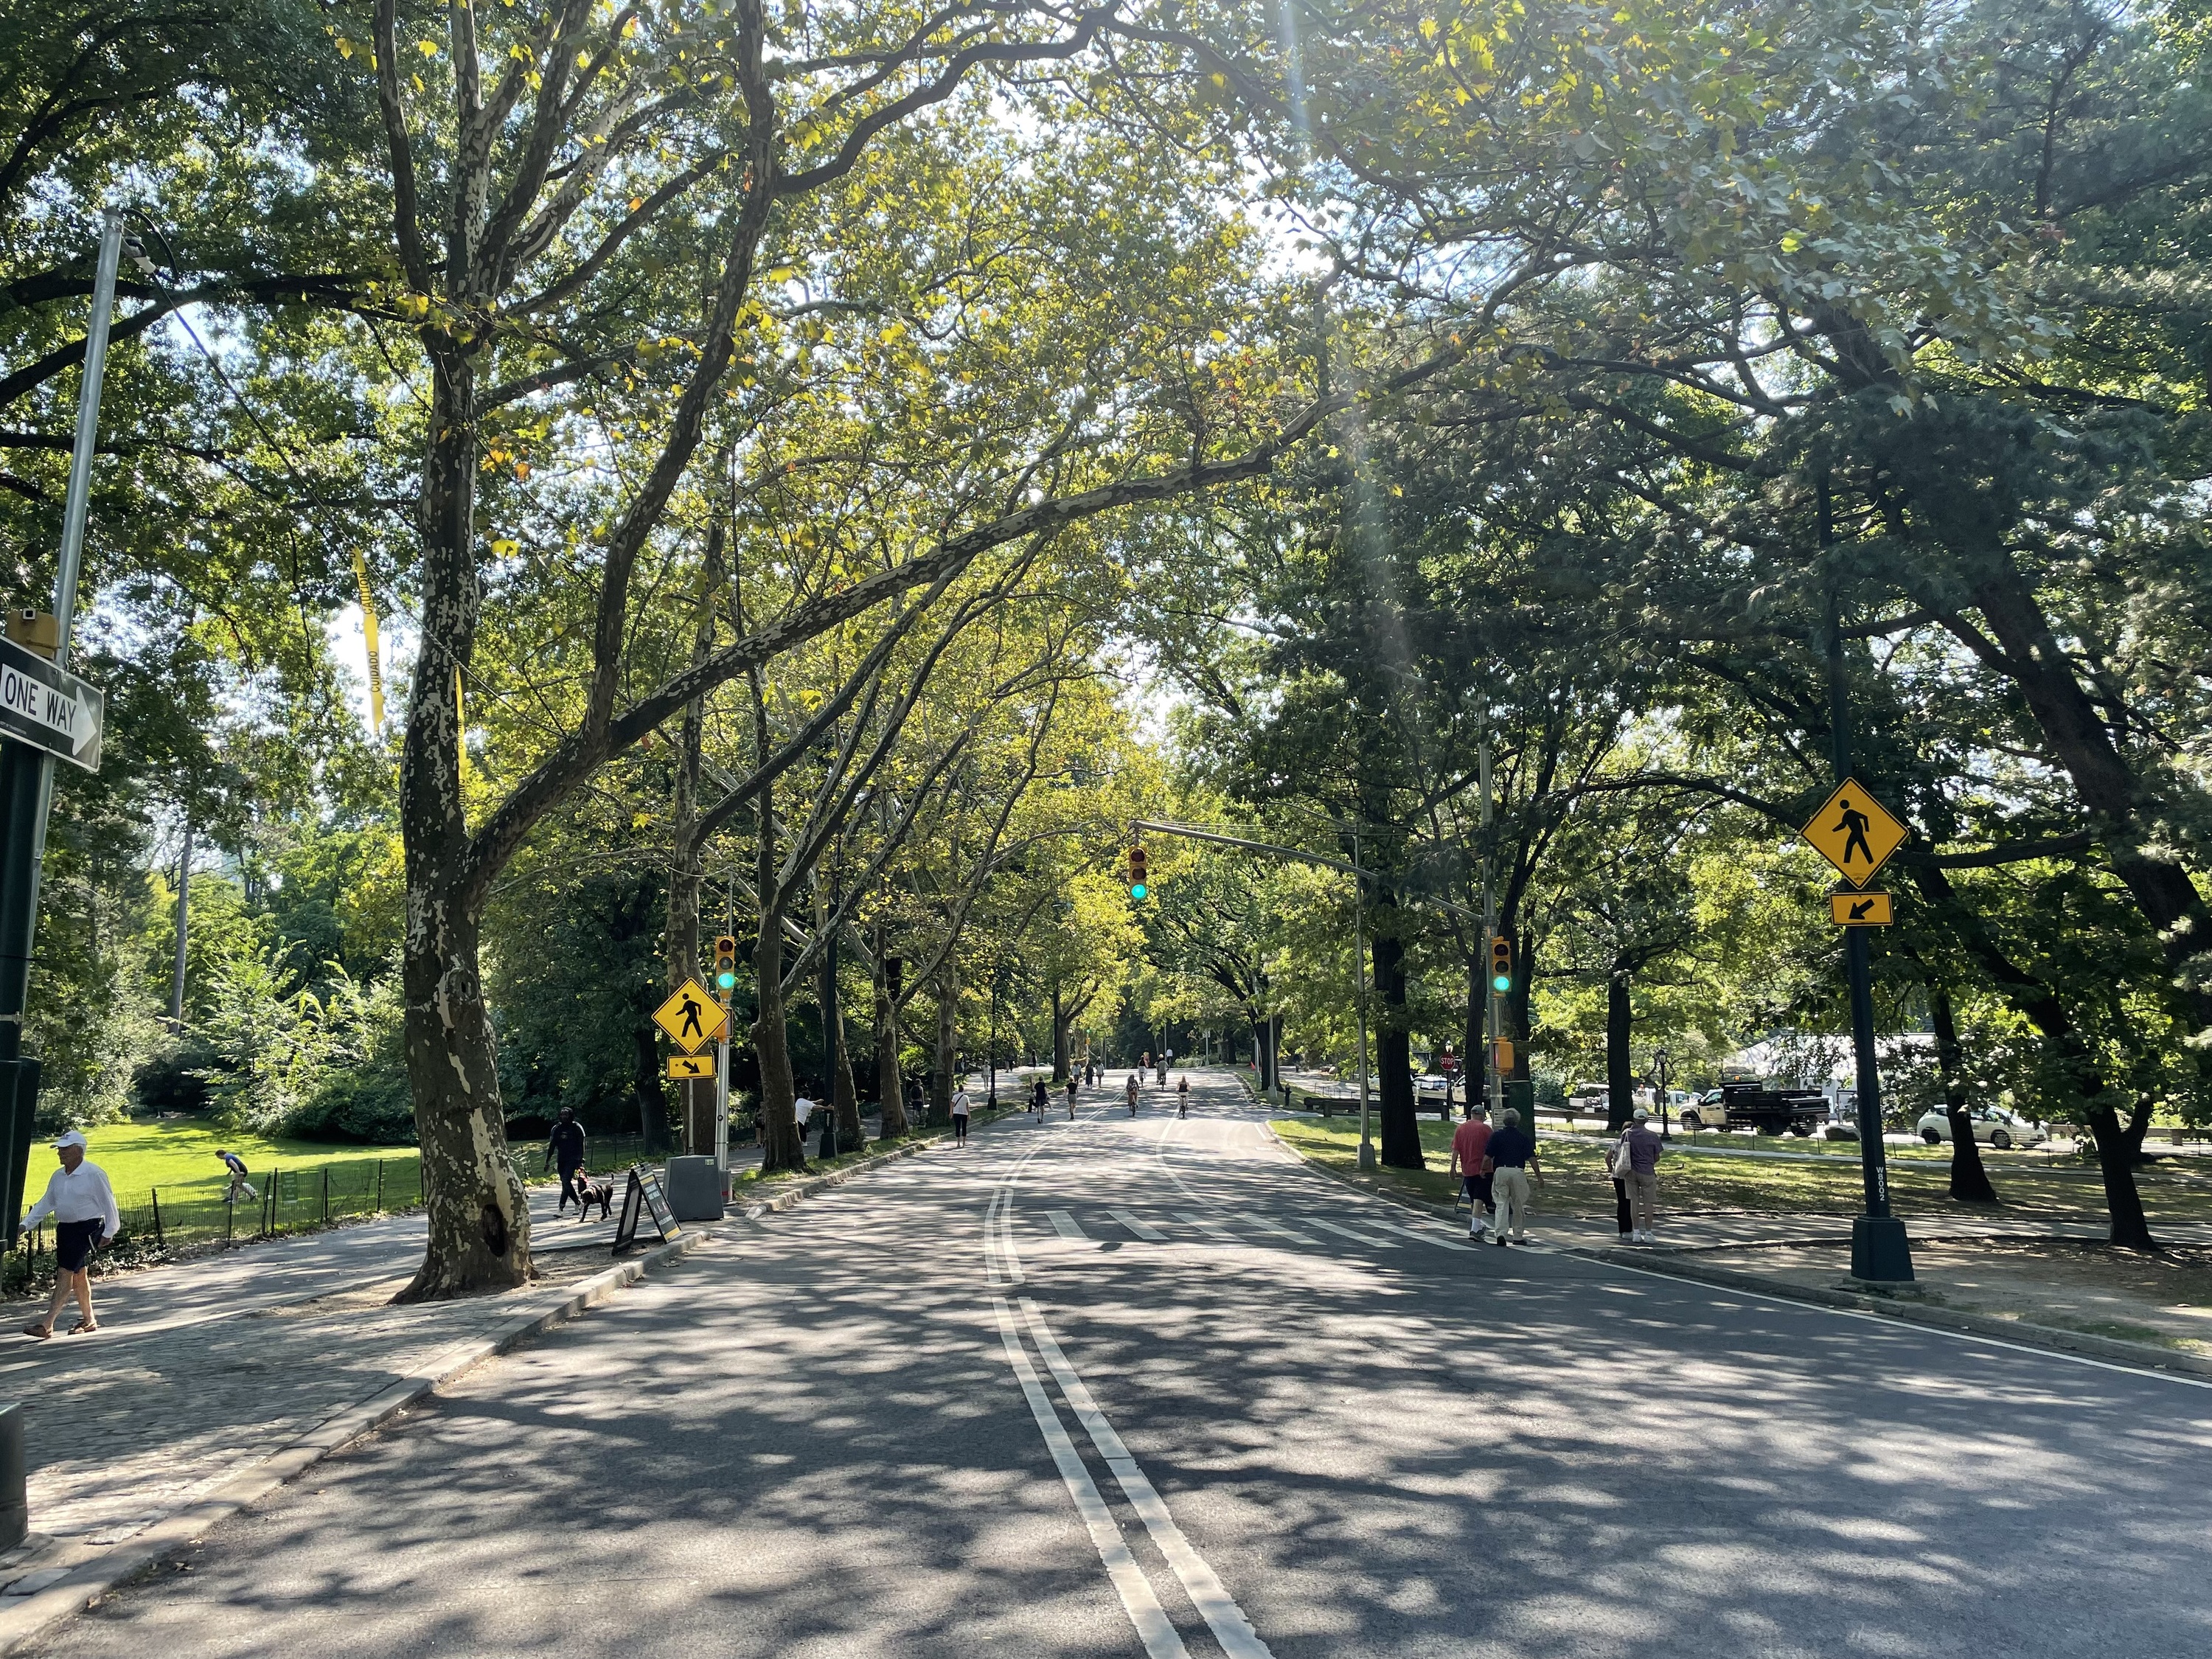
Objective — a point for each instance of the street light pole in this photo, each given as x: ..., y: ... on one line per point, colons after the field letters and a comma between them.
x: 1493, y: 1081
x: 1359, y: 955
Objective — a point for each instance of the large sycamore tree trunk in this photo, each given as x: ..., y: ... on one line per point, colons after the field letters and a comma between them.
x: 844, y: 1099
x: 889, y: 1084
x: 1970, y: 1177
x: 1619, y: 1066
x: 941, y: 1080
x: 1062, y: 1016
x: 1401, y: 1130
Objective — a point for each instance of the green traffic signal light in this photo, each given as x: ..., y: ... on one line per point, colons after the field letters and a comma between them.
x: 1138, y: 889
x: 726, y: 980
x: 1501, y: 982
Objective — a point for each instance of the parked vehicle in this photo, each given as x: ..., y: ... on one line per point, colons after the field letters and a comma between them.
x: 2000, y: 1129
x: 1752, y: 1106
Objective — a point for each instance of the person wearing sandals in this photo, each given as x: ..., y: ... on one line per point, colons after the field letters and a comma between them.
x: 82, y: 1204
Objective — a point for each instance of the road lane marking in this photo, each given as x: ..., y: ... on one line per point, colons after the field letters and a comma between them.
x: 1137, y: 1226
x: 1238, y: 1639
x: 1419, y: 1235
x: 1154, y: 1628
x: 1266, y: 1226
x: 1364, y: 1238
x: 1064, y: 1224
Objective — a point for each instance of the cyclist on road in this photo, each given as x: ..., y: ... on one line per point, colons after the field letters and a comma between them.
x: 1133, y: 1094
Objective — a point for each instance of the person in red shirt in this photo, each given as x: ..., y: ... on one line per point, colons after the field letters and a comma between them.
x: 1470, y: 1161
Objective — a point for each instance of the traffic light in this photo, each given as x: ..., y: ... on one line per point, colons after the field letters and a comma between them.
x: 726, y: 964
x: 1501, y: 963
x: 1139, y: 886
x: 894, y: 975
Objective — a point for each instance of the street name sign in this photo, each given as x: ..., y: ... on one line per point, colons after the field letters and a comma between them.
x: 684, y: 1067
x: 48, y: 708
x: 1860, y: 909
x: 691, y: 1016
x: 1855, y: 832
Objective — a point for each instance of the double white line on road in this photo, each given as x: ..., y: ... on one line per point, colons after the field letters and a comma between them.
x: 1002, y: 1266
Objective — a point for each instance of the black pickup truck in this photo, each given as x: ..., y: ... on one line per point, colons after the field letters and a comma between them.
x: 1752, y: 1106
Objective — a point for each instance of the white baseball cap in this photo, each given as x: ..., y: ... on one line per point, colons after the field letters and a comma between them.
x: 74, y: 1138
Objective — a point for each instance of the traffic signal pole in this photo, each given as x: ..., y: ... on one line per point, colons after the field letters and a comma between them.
x: 27, y: 775
x: 1881, y: 1252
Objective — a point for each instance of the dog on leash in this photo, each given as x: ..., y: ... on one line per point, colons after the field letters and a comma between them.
x: 592, y: 1191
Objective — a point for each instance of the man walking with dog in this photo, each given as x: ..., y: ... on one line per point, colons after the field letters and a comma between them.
x: 565, y: 1151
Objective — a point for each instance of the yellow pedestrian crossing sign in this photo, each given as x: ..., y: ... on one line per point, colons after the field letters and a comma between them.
x: 685, y: 1067
x: 1855, y: 832
x: 691, y: 1016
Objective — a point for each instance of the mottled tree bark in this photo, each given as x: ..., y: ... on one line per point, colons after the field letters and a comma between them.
x: 844, y: 1099
x: 1620, y: 1065
x: 941, y: 1078
x: 1401, y: 1130
x: 889, y: 1084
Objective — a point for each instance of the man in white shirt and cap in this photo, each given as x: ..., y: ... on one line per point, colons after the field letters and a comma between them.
x: 82, y: 1205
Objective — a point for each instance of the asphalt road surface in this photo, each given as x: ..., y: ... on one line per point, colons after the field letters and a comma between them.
x: 1148, y: 1386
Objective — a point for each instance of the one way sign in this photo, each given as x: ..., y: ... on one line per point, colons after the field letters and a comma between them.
x: 48, y: 708
x: 1859, y: 910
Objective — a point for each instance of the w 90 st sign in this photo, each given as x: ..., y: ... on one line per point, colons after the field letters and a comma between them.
x: 48, y: 708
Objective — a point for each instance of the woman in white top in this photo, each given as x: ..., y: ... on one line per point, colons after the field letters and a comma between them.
x: 960, y: 1117
x: 82, y: 1204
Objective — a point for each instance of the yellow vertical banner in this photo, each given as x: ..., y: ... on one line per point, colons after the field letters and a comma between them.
x: 368, y: 633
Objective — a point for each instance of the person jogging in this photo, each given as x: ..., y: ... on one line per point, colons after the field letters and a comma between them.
x: 564, y: 1150
x: 1182, y: 1097
x: 1470, y: 1162
x: 1513, y: 1160
x: 234, y: 1166
x: 82, y: 1204
x: 960, y: 1117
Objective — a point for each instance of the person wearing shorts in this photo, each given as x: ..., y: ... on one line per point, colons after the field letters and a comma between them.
x: 1470, y: 1161
x: 82, y: 1204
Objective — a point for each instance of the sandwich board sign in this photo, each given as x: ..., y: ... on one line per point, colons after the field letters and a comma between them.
x: 49, y: 708
x: 643, y: 1200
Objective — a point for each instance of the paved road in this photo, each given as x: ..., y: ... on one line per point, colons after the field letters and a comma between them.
x: 1115, y: 1387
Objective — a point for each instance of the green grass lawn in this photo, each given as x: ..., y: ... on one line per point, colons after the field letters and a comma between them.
x: 1575, y: 1183
x: 177, y: 1155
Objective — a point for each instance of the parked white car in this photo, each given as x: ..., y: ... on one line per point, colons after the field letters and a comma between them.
x: 1999, y: 1128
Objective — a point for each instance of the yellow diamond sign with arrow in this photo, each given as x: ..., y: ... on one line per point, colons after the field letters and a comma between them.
x: 1855, y: 832
x: 691, y: 1016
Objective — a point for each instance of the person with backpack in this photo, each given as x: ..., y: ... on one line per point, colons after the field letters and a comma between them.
x: 1636, y: 1165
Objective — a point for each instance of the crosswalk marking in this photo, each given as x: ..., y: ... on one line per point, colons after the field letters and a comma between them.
x: 1423, y: 1234
x: 1363, y: 1239
x: 1207, y: 1225
x: 1064, y: 1224
x: 1267, y: 1226
x: 1137, y: 1226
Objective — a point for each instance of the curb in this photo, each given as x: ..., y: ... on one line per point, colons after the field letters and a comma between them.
x: 798, y: 1189
x: 2111, y: 1351
x: 84, y: 1585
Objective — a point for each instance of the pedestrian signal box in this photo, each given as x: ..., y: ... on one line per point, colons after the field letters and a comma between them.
x: 726, y: 964
x: 1501, y: 963
x: 1140, y: 882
